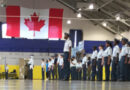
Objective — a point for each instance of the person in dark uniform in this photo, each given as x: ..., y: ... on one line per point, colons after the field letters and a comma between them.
x: 124, y: 60
x: 6, y: 71
x: 55, y: 65
x: 107, y: 59
x: 128, y: 61
x: 31, y: 63
x: 94, y: 57
x: 67, y: 56
x: 99, y: 63
x: 89, y: 66
x: 43, y: 68
x: 84, y: 61
x: 115, y: 60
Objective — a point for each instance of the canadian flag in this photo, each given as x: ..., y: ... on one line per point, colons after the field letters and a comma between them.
x: 34, y: 24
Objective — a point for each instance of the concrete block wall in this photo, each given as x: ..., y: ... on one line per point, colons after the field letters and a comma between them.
x: 12, y: 58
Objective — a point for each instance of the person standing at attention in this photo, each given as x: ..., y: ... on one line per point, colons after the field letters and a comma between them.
x: 115, y: 59
x: 107, y: 59
x: 43, y: 68
x: 67, y: 56
x: 94, y: 57
x: 99, y: 63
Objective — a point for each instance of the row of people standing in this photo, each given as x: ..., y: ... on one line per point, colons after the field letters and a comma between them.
x: 120, y: 60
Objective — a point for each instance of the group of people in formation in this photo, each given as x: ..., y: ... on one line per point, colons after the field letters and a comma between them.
x: 91, y: 67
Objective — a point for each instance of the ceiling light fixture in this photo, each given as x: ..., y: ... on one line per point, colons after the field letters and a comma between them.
x: 104, y: 24
x: 68, y: 21
x: 91, y: 6
x: 79, y: 15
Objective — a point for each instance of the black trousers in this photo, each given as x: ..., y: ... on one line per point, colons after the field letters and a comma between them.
x: 99, y: 65
x: 66, y: 66
x: 42, y: 74
x: 31, y: 74
x: 6, y: 75
x: 73, y: 73
x: 84, y: 72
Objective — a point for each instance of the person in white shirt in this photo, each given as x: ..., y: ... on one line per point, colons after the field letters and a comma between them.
x: 107, y: 59
x: 115, y: 59
x: 124, y: 60
x: 67, y: 56
x: 43, y: 68
x: 52, y: 67
x: 60, y: 64
x: 99, y: 63
x: 84, y: 65
x: 79, y: 70
x: 129, y: 61
x: 73, y: 63
x: 31, y: 63
x: 93, y: 58
x: 6, y: 71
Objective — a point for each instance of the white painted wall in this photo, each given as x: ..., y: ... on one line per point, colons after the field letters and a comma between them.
x: 90, y: 31
x: 124, y: 34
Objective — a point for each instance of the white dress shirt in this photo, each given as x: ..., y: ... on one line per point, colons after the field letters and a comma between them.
x: 124, y: 50
x: 49, y: 64
x: 116, y: 50
x: 6, y: 68
x: 79, y: 65
x: 94, y: 54
x: 67, y: 45
x: 60, y: 61
x: 31, y: 62
x: 43, y: 64
x: 129, y: 52
x: 107, y: 52
x: 84, y: 60
x: 120, y: 56
x: 73, y: 63
x: 100, y: 54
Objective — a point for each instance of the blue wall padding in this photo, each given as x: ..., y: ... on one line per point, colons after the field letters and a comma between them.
x: 49, y: 46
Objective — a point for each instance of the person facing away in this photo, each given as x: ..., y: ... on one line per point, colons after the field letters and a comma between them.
x: 67, y: 56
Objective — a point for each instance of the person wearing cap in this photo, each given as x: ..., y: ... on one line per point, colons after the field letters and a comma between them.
x: 94, y: 57
x: 84, y: 61
x: 73, y: 63
x: 107, y: 59
x: 124, y: 61
x: 67, y: 56
x: 99, y: 63
x: 115, y: 59
x: 60, y: 64
x: 31, y: 63
x: 129, y: 61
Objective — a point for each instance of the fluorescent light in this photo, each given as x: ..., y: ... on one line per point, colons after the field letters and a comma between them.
x: 118, y: 17
x: 104, y: 24
x: 79, y: 15
x: 68, y: 21
x: 91, y: 6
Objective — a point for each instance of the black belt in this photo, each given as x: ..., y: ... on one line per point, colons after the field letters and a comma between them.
x: 100, y: 59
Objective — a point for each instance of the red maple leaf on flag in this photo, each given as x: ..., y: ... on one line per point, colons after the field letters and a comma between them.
x: 34, y: 24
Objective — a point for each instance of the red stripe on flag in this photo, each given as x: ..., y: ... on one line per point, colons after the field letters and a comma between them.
x: 13, y: 21
x: 55, y: 23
